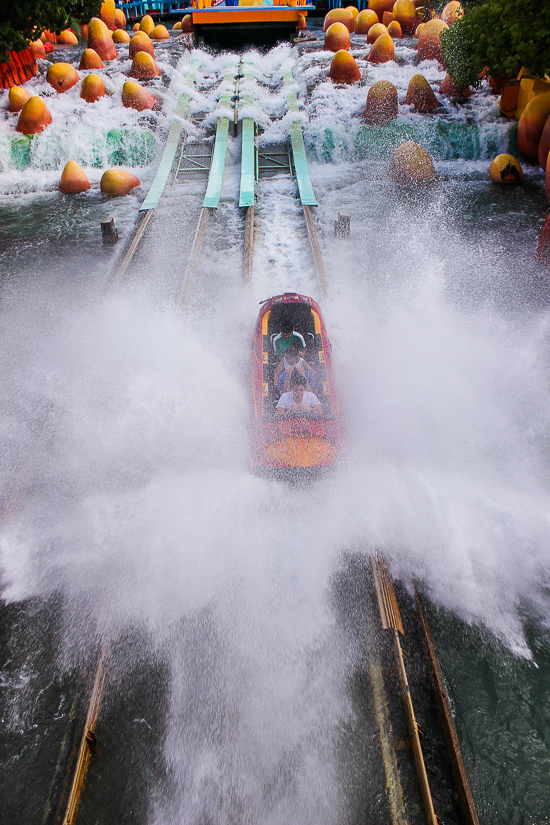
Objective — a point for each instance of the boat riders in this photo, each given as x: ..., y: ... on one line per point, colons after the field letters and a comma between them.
x: 286, y: 337
x: 298, y: 401
x: 292, y: 361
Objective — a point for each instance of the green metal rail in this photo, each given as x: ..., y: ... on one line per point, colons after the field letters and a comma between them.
x: 248, y: 151
x: 157, y: 187
x: 217, y: 165
x: 305, y: 187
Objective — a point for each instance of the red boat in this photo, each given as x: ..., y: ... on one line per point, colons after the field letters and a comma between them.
x: 295, y: 440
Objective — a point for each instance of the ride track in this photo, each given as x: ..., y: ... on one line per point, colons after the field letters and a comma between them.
x: 177, y: 153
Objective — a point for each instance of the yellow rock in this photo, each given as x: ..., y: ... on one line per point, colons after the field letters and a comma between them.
x: 118, y: 182
x: 365, y: 20
x: 120, y: 19
x: 428, y: 46
x: 343, y: 68
x: 505, y: 169
x: 382, y: 49
x: 135, y: 96
x: 187, y: 23
x: 62, y: 76
x: 143, y: 65
x: 17, y: 98
x: 121, y: 36
x: 100, y: 39
x: 353, y: 9
x: 107, y: 14
x: 404, y: 12
x: 177, y: 26
x: 67, y: 38
x: 452, y: 12
x: 147, y: 24
x: 339, y: 16
x: 135, y: 27
x: 394, y: 30
x: 411, y: 164
x: 376, y: 31
x: 34, y: 117
x: 91, y: 60
x: 421, y: 95
x: 141, y: 42
x: 92, y: 88
x: 37, y: 48
x: 382, y: 104
x: 337, y: 37
x: 73, y: 178
x: 160, y: 33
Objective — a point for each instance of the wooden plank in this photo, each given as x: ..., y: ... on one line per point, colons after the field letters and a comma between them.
x: 248, y: 245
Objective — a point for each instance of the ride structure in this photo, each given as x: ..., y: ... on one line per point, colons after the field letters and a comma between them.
x: 306, y: 442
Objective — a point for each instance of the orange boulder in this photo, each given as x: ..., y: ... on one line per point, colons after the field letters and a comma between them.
x: 73, y: 178
x: 160, y: 33
x: 62, y: 76
x: 428, y: 46
x: 404, y: 11
x: 505, y: 169
x: 67, y: 38
x: 92, y: 88
x: 353, y: 9
x: 141, y: 42
x: 544, y: 145
x: 301, y: 22
x: 34, y: 117
x: 411, y: 164
x: 84, y: 31
x: 451, y: 88
x: 382, y: 50
x: 535, y: 116
x: 337, y: 37
x: 339, y: 16
x: 387, y: 18
x: 382, y: 104
x: 120, y: 19
x: 343, y: 68
x: 143, y: 65
x: 91, y: 60
x: 118, y: 182
x: 527, y: 147
x: 99, y: 39
x: 17, y: 98
x: 452, y: 12
x: 37, y: 48
x: 380, y: 6
x: 177, y: 26
x: 187, y: 23
x: 147, y: 24
x: 135, y: 27
x: 137, y: 97
x: 375, y: 32
x: 365, y: 20
x: 107, y: 14
x: 394, y: 30
x: 421, y: 95
x: 121, y: 36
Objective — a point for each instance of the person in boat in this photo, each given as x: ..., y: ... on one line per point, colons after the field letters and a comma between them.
x: 298, y: 401
x: 292, y: 361
x: 286, y: 337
